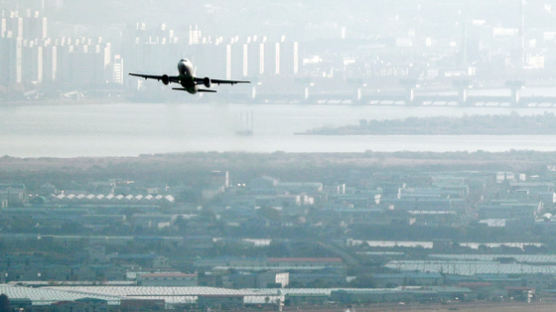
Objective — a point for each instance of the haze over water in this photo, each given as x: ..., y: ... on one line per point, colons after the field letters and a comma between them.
x: 133, y: 129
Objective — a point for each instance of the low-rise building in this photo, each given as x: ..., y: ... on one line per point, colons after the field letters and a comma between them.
x: 167, y: 279
x: 389, y: 280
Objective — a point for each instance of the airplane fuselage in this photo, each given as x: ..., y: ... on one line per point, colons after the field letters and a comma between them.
x: 185, y: 68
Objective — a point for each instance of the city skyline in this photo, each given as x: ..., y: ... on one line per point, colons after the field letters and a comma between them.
x: 46, y: 58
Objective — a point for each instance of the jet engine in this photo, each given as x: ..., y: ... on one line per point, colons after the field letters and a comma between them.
x: 165, y: 79
x: 206, y: 82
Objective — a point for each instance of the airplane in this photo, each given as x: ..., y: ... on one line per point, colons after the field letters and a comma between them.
x: 187, y: 79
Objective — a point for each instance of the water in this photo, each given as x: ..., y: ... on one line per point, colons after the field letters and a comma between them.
x: 126, y: 129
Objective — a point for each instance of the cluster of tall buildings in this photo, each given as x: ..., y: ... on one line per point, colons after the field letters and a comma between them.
x: 32, y: 57
x: 154, y: 49
x: 24, y: 37
x: 449, y: 42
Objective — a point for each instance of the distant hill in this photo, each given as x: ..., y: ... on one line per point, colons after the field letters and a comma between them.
x: 512, y: 124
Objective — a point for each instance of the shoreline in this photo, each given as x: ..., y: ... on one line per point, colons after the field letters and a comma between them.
x: 512, y: 124
x: 517, y: 159
x: 262, y: 102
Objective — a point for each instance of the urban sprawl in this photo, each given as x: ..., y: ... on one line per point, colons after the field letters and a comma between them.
x: 277, y: 231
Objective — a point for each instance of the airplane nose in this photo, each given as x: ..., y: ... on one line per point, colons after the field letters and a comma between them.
x: 181, y: 66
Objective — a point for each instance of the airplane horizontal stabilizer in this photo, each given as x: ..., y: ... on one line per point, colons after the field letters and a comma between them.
x: 179, y: 89
x: 206, y: 90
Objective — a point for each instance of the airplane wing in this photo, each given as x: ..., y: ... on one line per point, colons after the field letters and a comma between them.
x: 164, y: 78
x: 220, y: 81
x: 198, y: 90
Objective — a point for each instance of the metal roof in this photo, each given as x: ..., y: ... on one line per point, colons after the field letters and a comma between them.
x: 181, y: 295
x: 469, y: 267
x: 45, y: 296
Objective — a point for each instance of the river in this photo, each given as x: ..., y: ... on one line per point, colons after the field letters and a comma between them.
x: 129, y: 129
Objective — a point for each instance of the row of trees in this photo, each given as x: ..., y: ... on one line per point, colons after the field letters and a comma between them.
x: 473, y: 124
